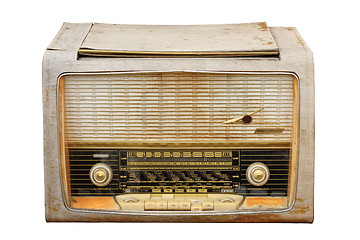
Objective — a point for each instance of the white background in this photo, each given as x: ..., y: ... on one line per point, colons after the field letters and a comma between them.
x: 331, y: 29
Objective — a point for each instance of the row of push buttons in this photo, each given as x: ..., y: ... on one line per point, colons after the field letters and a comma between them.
x: 174, y: 205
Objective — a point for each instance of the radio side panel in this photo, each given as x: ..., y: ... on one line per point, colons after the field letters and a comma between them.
x: 305, y: 188
x: 61, y: 57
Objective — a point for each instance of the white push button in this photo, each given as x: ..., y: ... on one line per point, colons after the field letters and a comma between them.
x: 173, y: 205
x: 161, y: 205
x: 196, y: 207
x: 185, y: 205
x: 150, y: 205
x: 208, y: 205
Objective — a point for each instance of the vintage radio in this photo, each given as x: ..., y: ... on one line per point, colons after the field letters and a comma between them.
x: 211, y: 123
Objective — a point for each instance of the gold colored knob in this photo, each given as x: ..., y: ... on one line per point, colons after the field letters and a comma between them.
x: 101, y: 174
x: 257, y: 174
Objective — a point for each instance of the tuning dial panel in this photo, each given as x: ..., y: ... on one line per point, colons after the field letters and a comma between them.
x: 101, y: 174
x: 257, y: 174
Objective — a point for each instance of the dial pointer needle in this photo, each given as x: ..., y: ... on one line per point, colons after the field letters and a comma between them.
x: 242, y: 117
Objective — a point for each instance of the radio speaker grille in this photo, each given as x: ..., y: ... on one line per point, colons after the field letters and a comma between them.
x: 173, y: 107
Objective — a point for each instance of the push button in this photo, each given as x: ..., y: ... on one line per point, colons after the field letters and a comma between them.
x: 208, y: 205
x: 196, y: 207
x: 150, y: 205
x: 185, y: 205
x: 173, y: 205
x: 161, y: 205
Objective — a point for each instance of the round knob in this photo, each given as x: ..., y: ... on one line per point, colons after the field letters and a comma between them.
x: 101, y: 174
x: 257, y: 174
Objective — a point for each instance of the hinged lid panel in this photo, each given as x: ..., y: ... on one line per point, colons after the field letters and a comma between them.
x: 227, y: 40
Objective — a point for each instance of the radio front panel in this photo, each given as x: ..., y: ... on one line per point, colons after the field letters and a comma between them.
x: 224, y: 140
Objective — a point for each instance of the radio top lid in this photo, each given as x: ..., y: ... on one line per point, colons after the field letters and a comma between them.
x: 225, y: 40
